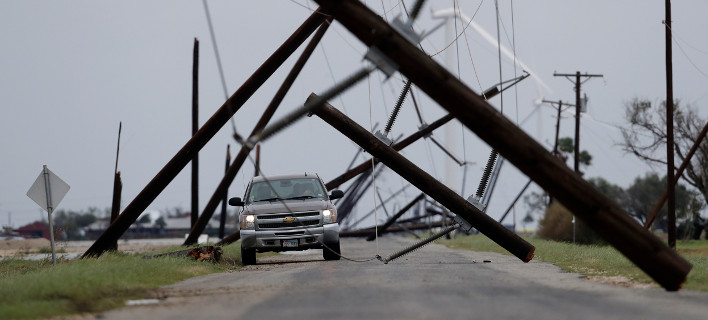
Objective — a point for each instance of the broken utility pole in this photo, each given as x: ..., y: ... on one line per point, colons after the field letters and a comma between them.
x: 601, y: 214
x: 117, y: 189
x: 208, y: 130
x: 426, y: 183
x: 224, y: 199
x: 245, y: 148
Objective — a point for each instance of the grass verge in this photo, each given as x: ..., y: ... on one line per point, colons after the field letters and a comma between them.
x: 599, y: 262
x: 36, y: 289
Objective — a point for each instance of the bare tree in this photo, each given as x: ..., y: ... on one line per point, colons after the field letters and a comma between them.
x: 645, y: 137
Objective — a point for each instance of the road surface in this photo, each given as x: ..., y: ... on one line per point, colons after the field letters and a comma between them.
x: 432, y: 283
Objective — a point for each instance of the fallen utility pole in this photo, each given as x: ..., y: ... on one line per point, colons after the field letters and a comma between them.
x: 425, y: 182
x: 195, y: 127
x: 677, y: 176
x: 208, y: 130
x: 416, y: 226
x: 601, y: 214
x: 381, y: 230
x: 425, y: 131
x: 246, y: 148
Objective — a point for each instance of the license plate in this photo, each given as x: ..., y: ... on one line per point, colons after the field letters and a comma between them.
x: 290, y: 243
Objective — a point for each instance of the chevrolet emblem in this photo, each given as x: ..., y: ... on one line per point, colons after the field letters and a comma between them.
x: 288, y: 220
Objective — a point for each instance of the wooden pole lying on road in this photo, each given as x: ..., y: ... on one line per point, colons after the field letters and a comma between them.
x: 245, y: 149
x: 604, y: 216
x: 381, y: 230
x: 207, y: 131
x: 426, y: 183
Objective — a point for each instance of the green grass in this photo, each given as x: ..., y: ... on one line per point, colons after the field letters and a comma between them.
x: 36, y: 289
x: 601, y: 261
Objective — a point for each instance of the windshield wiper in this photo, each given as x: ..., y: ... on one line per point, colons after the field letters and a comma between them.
x: 300, y: 197
x: 269, y: 199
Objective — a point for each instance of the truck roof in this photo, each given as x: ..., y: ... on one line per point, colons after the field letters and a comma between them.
x: 286, y: 176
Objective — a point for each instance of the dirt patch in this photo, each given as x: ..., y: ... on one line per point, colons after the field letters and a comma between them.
x: 620, y: 281
x: 13, y: 247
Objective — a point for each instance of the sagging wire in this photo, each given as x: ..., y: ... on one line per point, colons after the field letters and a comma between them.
x: 309, y: 107
x: 221, y: 70
x: 463, y: 31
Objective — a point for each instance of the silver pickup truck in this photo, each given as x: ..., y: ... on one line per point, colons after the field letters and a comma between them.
x: 285, y: 213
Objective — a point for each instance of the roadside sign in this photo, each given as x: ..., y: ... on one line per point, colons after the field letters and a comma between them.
x: 47, y: 191
x: 38, y: 190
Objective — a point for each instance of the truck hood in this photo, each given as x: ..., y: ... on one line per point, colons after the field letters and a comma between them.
x: 294, y: 205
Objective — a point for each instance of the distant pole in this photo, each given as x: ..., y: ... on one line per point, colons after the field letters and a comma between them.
x: 258, y: 161
x: 578, y: 107
x: 195, y: 127
x: 576, y: 159
x: 670, y: 131
x: 222, y: 221
x: 117, y: 187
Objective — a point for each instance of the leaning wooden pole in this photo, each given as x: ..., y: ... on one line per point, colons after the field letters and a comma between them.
x: 207, y: 131
x: 223, y: 186
x: 677, y: 176
x: 604, y: 216
x: 426, y: 183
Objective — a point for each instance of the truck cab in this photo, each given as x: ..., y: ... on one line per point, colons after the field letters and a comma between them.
x: 288, y: 213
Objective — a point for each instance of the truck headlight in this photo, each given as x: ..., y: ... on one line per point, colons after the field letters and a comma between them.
x: 329, y: 215
x: 247, y: 221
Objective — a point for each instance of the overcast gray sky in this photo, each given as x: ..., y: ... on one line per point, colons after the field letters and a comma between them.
x: 70, y: 71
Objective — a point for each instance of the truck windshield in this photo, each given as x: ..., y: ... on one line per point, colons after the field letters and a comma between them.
x: 286, y: 189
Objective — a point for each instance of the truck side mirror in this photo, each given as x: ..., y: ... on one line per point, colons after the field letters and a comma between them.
x: 336, y: 194
x: 236, y: 202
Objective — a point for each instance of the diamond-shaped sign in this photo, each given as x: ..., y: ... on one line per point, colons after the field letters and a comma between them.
x: 57, y: 188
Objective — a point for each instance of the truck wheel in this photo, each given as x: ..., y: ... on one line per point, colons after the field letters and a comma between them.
x: 328, y: 254
x: 248, y: 256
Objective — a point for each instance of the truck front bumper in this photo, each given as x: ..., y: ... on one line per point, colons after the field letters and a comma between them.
x: 275, y: 240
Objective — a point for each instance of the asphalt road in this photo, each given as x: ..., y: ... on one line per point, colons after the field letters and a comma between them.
x: 432, y: 283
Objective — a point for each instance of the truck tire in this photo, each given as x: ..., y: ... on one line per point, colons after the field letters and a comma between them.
x: 328, y: 254
x: 248, y: 256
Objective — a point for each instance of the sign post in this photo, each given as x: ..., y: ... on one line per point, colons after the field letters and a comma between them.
x: 47, y: 191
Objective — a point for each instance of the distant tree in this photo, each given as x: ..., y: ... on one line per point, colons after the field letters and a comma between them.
x: 645, y: 137
x: 145, y: 219
x: 566, y: 146
x: 160, y: 222
x: 72, y: 223
x: 642, y: 195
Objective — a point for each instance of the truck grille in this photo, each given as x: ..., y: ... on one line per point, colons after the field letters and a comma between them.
x: 277, y: 225
x: 285, y: 215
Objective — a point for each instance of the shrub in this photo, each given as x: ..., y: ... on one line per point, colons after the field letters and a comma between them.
x: 557, y: 225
